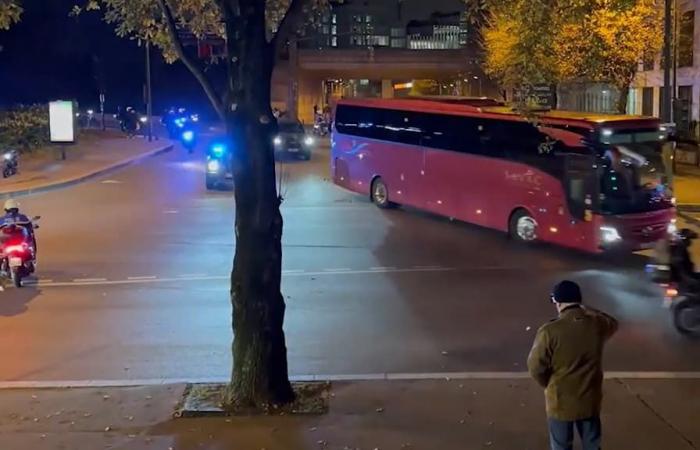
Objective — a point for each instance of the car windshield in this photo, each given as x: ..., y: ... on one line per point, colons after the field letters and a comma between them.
x: 291, y: 127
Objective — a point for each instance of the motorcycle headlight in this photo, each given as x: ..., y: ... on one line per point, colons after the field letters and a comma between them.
x: 609, y: 234
x: 213, y: 166
x: 7, y: 156
x: 277, y: 140
x: 188, y: 136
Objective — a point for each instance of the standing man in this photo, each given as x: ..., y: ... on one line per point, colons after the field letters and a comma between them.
x: 566, y: 360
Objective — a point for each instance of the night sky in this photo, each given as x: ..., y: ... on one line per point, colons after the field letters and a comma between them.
x: 50, y: 55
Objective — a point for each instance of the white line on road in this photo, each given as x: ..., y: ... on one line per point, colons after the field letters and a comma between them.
x: 341, y: 269
x: 381, y: 268
x: 181, y: 278
x: 407, y: 376
x: 192, y: 275
x: 151, y: 277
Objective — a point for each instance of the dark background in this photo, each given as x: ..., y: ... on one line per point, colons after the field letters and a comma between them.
x: 50, y: 55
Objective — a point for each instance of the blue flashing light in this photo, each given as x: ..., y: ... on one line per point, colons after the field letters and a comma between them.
x: 188, y: 136
x: 218, y: 150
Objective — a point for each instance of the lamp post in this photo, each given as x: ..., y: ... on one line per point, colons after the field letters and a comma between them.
x: 478, y: 78
x: 666, y: 107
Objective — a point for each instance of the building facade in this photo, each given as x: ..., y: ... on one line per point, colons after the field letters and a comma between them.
x: 646, y: 95
x: 381, y: 48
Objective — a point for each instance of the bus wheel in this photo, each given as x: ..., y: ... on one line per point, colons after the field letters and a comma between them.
x: 380, y: 194
x: 523, y: 227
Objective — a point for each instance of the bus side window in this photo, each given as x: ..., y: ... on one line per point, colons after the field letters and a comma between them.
x: 448, y: 132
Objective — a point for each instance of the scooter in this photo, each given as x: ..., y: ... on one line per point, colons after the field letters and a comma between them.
x: 675, y: 273
x: 10, y: 163
x: 17, y: 253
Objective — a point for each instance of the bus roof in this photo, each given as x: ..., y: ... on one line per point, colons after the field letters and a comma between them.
x: 479, y: 107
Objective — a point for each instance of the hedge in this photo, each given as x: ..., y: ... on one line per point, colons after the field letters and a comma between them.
x: 24, y: 128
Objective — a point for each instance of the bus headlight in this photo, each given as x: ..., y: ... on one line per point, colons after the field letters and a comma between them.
x: 609, y: 235
x: 672, y: 227
x: 213, y: 166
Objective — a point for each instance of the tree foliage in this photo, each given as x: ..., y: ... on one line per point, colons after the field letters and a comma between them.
x: 10, y: 12
x: 548, y: 41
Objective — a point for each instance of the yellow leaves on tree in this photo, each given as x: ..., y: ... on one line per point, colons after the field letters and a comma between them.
x: 610, y: 43
x: 546, y: 41
x: 10, y: 12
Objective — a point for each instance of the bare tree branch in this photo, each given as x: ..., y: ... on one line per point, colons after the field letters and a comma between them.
x: 189, y: 62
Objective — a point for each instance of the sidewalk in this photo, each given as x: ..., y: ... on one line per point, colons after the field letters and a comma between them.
x: 687, y: 185
x: 427, y: 414
x: 96, y: 153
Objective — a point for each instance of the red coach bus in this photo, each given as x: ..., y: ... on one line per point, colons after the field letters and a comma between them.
x: 589, y: 182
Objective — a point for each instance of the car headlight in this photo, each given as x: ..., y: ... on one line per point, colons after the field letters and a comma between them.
x: 277, y: 140
x: 213, y: 166
x: 309, y: 141
x: 144, y: 119
x: 609, y: 234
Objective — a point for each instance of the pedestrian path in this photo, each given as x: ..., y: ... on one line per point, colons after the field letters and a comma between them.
x: 96, y: 153
x: 445, y: 414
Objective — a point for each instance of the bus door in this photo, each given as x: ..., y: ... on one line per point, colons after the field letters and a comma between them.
x: 581, y: 187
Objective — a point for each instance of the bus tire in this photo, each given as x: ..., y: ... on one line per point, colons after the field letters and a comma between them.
x: 522, y: 227
x: 380, y: 194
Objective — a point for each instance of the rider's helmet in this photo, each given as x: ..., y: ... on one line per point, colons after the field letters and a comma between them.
x: 12, y: 206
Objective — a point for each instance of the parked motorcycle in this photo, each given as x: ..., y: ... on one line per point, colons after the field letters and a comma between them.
x: 673, y: 269
x: 17, y: 253
x: 10, y: 163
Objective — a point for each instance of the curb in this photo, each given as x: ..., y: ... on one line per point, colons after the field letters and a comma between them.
x: 487, y: 376
x: 82, y: 178
x: 688, y: 218
x: 693, y: 207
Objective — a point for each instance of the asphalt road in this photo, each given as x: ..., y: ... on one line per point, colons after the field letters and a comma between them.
x: 133, y: 285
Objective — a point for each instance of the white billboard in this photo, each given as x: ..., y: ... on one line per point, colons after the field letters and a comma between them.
x: 62, y: 122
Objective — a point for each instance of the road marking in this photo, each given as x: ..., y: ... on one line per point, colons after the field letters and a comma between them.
x: 111, y: 182
x: 426, y: 267
x: 171, y: 211
x: 380, y: 268
x: 301, y: 273
x: 89, y: 280
x: 151, y: 277
x: 36, y: 282
x: 192, y: 275
x: 406, y: 376
x: 289, y: 272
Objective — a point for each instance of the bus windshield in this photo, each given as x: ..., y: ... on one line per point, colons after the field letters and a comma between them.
x: 632, y: 182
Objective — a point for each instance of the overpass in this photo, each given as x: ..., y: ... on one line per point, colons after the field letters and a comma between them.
x: 304, y: 79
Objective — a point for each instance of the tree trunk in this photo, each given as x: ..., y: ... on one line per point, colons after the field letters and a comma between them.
x: 259, y: 376
x: 622, y: 99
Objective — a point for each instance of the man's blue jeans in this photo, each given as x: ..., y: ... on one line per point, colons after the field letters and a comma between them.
x: 561, y: 434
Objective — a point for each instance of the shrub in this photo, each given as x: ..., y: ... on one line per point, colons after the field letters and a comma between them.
x: 24, y: 128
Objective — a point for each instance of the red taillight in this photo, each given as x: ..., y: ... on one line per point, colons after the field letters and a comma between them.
x: 671, y: 292
x: 16, y: 248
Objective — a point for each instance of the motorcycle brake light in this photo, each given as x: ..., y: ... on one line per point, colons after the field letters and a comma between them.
x: 15, y: 248
x: 671, y: 292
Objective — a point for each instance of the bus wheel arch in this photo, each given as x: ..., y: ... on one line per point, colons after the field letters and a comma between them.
x: 522, y: 226
x: 379, y: 193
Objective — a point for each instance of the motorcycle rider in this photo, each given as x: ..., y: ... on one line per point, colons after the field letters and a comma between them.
x: 13, y: 217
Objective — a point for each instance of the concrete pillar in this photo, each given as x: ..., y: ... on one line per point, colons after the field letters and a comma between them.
x: 387, y: 89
